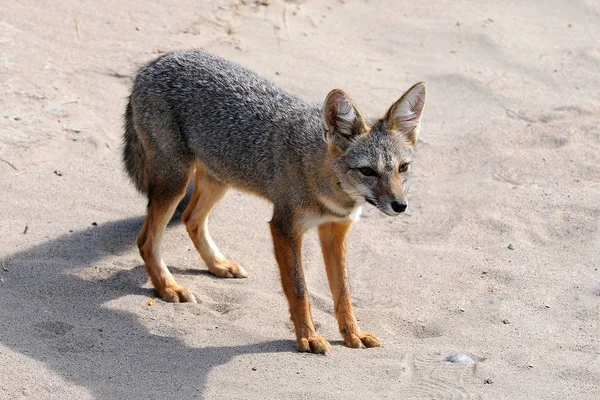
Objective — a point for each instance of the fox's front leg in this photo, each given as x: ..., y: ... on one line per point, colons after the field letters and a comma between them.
x: 333, y: 244
x: 287, y: 243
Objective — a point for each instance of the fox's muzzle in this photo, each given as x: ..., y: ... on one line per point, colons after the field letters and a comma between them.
x: 399, y: 206
x: 393, y: 208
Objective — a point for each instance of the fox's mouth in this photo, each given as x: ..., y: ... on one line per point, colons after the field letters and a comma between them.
x: 386, y: 210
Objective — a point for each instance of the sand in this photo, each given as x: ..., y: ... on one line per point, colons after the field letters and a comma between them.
x: 509, y: 155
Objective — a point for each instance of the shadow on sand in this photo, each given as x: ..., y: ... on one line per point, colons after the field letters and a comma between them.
x: 50, y: 314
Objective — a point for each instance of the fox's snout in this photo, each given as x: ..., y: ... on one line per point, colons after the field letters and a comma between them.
x: 390, y: 196
x: 394, y: 207
x: 399, y: 206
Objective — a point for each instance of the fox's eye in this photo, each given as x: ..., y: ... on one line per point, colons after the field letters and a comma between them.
x: 367, y: 171
x: 403, y: 167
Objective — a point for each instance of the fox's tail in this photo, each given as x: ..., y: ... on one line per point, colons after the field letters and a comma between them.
x: 134, y: 155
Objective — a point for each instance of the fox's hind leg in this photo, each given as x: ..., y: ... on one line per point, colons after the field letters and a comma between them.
x: 161, y: 206
x: 195, y: 217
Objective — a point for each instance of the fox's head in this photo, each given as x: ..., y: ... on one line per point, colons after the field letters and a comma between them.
x: 372, y: 158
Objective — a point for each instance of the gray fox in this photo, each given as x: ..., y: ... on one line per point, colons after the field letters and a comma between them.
x: 193, y: 115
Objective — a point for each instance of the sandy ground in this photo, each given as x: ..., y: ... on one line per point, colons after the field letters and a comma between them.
x: 509, y: 154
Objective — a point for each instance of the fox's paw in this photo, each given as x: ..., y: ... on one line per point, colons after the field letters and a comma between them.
x: 227, y: 269
x: 177, y: 294
x: 314, y: 344
x: 362, y: 340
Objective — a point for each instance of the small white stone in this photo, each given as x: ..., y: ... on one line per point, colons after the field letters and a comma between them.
x: 459, y: 358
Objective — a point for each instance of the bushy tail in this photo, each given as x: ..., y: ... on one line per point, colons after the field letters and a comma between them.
x: 134, y: 155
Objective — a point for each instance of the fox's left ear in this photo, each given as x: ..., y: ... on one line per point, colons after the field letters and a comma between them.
x: 342, y: 121
x: 404, y: 116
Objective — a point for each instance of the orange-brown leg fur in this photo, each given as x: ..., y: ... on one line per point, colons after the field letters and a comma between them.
x: 333, y: 237
x: 149, y: 242
x: 287, y: 249
x: 206, y: 194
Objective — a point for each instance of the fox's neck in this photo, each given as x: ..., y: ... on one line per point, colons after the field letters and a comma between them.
x: 328, y: 186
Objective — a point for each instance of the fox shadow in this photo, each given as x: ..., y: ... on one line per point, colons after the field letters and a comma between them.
x: 54, y: 316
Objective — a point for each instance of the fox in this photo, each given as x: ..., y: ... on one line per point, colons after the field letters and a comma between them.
x: 193, y: 116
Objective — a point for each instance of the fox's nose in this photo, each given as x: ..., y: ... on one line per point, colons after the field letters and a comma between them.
x: 399, y: 206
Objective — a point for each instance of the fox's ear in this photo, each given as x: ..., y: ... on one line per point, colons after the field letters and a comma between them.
x: 404, y: 116
x: 341, y: 119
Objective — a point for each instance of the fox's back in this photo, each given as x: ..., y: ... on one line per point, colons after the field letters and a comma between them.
x: 243, y: 128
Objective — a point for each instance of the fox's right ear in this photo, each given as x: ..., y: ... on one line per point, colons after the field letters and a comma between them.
x: 404, y: 116
x: 341, y: 119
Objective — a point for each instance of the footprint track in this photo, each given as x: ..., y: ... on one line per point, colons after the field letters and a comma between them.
x: 433, y: 378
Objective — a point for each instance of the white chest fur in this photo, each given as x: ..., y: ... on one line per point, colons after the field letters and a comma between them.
x: 312, y: 219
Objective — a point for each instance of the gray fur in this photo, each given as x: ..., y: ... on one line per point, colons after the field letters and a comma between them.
x: 231, y: 119
x: 246, y: 132
x: 133, y: 153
